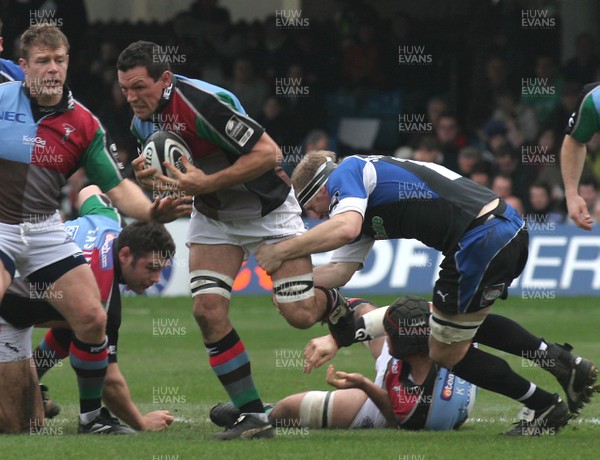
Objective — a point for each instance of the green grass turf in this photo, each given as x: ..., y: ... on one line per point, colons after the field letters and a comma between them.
x: 156, y: 365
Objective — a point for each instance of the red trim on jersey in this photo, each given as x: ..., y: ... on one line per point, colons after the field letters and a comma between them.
x: 404, y: 402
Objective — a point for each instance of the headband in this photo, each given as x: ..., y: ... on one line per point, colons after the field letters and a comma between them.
x: 309, y: 191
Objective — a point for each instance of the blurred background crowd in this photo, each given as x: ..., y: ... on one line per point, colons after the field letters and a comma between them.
x: 478, y: 90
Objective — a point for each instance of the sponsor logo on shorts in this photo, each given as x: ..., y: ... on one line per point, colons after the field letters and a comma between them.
x: 491, y: 293
x: 280, y: 236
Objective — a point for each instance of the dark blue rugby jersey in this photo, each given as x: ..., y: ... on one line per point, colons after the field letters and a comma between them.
x: 407, y: 199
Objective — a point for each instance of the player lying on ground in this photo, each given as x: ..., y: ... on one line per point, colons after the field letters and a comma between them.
x: 133, y: 256
x: 483, y: 239
x: 409, y: 391
x: 501, y: 333
x: 428, y: 398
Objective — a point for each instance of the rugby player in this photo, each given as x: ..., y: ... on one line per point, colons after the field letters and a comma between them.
x: 582, y: 125
x: 241, y: 199
x: 46, y: 136
x: 409, y: 391
x: 484, y: 241
x: 425, y: 396
x: 133, y: 256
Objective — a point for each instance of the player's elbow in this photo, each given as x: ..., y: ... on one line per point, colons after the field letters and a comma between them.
x: 347, y: 234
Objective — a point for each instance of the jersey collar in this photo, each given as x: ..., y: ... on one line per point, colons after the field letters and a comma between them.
x: 167, y: 95
x: 66, y: 103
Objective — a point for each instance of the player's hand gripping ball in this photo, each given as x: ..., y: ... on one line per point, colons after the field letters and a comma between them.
x: 165, y: 146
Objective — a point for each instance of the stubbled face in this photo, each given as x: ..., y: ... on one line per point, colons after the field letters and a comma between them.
x: 142, y: 92
x: 45, y: 73
x: 142, y: 273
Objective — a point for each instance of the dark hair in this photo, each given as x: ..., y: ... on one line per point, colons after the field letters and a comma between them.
x: 406, y: 322
x: 144, y: 54
x: 42, y: 34
x: 144, y: 238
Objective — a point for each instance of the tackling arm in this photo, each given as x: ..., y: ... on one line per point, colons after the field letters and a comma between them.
x: 131, y: 200
x: 335, y: 274
x: 341, y: 229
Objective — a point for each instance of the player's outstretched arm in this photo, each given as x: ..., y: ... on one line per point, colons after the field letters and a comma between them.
x: 117, y: 398
x: 341, y: 229
x: 131, y: 200
x: 572, y: 158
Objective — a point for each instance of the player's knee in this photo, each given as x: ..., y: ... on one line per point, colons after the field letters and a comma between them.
x: 210, y: 309
x: 284, y: 410
x: 450, y: 339
x: 300, y: 315
x: 294, y: 297
x: 447, y: 355
x: 90, y: 322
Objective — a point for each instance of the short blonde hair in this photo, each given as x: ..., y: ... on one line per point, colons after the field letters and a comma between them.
x: 306, y: 169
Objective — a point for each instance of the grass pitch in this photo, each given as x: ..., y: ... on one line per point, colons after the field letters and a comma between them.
x: 163, y: 359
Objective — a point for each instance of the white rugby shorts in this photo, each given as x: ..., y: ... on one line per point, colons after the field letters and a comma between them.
x: 15, y: 344
x: 281, y: 223
x: 35, y: 245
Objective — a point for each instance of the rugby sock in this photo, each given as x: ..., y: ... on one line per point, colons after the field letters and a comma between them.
x: 331, y: 296
x: 506, y: 335
x: 231, y: 363
x: 53, y: 348
x: 493, y: 373
x: 89, y: 363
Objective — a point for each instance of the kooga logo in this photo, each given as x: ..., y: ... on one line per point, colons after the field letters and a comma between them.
x: 12, y: 116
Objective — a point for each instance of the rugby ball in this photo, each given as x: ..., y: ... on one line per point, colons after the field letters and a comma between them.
x: 166, y: 146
